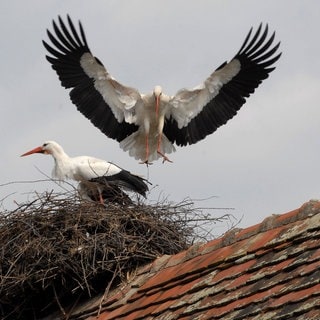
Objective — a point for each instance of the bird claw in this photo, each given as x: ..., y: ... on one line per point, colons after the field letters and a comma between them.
x: 164, y: 157
x: 146, y: 162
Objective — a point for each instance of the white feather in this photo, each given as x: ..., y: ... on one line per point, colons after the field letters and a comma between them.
x: 121, y: 99
x: 77, y: 168
x: 187, y: 104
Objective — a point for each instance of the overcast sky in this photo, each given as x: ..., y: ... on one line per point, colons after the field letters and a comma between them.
x: 264, y: 161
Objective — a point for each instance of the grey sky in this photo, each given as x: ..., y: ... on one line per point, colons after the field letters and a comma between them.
x: 263, y: 161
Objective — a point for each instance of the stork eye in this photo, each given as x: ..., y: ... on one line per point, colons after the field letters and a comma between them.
x: 45, y: 144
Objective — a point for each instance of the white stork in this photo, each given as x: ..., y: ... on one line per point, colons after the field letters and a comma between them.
x: 107, y: 178
x: 147, y: 125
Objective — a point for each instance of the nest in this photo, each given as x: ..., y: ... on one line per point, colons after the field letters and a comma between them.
x: 58, y: 249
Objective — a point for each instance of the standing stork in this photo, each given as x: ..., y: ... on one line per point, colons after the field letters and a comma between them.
x: 148, y: 125
x: 94, y: 174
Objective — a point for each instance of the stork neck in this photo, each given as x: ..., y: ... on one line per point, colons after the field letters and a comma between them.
x: 62, y: 165
x: 59, y: 155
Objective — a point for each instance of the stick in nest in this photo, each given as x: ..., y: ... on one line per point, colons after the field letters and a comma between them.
x: 59, y: 247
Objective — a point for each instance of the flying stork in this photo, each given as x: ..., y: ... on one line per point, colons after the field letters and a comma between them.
x: 95, y: 175
x: 148, y: 125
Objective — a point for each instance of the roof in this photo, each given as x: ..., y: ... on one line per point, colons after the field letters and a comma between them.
x: 268, y: 271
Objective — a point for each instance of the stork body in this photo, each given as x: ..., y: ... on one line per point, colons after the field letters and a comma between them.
x: 148, y: 125
x: 148, y: 143
x: 91, y: 171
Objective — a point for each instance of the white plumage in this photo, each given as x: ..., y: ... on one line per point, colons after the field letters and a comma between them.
x: 87, y: 170
x: 148, y: 125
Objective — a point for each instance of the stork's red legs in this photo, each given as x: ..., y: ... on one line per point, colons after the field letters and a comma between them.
x: 100, y: 197
x: 165, y: 158
x: 147, y: 152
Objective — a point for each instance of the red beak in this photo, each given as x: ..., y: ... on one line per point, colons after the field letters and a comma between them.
x: 157, y: 105
x: 35, y: 150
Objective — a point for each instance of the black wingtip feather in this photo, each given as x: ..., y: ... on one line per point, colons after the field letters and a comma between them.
x: 66, y: 47
x: 256, y: 57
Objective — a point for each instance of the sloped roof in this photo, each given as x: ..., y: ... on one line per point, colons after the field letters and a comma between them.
x: 267, y: 271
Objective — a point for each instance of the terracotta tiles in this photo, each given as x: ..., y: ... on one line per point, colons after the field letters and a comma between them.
x: 268, y: 271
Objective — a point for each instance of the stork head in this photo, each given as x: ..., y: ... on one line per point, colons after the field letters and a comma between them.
x: 49, y: 147
x: 157, y: 91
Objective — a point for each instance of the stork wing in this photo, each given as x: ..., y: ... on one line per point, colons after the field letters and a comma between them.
x: 109, y: 105
x: 198, y: 112
x: 97, y: 170
x: 89, y: 168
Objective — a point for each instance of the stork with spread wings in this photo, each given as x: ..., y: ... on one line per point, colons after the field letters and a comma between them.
x: 148, y: 125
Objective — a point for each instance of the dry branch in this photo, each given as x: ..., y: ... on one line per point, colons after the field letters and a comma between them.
x: 57, y: 248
